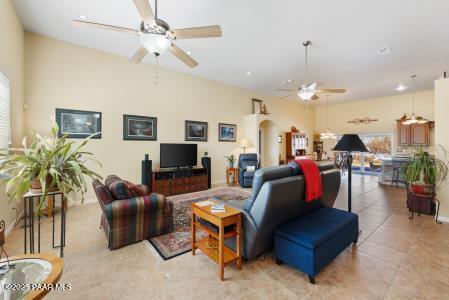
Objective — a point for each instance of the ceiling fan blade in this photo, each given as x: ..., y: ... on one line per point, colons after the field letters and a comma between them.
x: 315, y: 97
x: 184, y: 57
x: 285, y: 90
x: 332, y: 91
x: 139, y: 55
x: 313, y: 85
x: 144, y: 9
x: 197, y: 32
x: 283, y: 97
x: 104, y: 26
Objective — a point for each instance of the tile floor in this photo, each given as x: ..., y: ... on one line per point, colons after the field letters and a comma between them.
x: 396, y: 258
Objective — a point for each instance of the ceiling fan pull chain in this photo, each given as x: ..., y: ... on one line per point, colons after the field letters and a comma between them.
x: 156, y: 76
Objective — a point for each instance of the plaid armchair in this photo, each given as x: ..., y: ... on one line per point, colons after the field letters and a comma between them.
x: 131, y: 213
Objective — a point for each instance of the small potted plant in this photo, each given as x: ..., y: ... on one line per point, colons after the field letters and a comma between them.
x: 423, y: 172
x: 48, y: 164
x: 231, y: 160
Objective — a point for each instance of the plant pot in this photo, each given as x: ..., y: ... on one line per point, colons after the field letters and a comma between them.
x: 231, y: 165
x: 420, y: 188
x: 36, y: 187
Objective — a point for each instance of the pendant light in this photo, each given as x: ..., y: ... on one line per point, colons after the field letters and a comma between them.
x: 327, y: 134
x: 413, y: 118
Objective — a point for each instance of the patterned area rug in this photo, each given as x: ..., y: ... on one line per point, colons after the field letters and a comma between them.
x: 179, y: 241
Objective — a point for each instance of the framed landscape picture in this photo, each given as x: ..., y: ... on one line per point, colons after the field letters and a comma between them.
x: 196, y: 131
x: 139, y: 128
x: 227, y: 132
x: 78, y: 123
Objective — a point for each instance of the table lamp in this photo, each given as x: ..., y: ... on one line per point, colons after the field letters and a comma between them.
x: 350, y: 143
x: 244, y: 143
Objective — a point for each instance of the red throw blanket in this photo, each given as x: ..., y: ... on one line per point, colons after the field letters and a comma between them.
x: 314, y: 189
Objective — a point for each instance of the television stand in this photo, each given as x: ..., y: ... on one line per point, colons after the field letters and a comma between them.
x: 180, y: 181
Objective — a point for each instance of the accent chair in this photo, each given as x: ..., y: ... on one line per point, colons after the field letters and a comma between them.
x: 248, y: 164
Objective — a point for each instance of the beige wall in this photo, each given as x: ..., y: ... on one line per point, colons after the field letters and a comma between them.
x: 63, y: 75
x: 442, y: 136
x: 386, y: 110
x: 11, y: 63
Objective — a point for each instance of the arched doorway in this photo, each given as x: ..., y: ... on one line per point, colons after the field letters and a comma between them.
x: 268, y: 144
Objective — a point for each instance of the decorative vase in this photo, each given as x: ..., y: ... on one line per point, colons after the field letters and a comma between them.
x: 231, y: 165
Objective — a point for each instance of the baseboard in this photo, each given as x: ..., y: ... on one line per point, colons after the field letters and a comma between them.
x: 12, y: 225
x: 218, y: 182
x: 443, y: 219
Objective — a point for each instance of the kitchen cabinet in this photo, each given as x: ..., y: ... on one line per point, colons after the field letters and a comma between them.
x: 414, y: 134
x: 403, y: 134
x: 419, y: 134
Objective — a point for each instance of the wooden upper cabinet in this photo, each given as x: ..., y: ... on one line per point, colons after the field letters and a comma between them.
x: 419, y: 134
x: 414, y: 134
x: 403, y: 134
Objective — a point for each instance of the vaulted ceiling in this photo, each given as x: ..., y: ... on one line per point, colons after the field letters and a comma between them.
x: 264, y: 37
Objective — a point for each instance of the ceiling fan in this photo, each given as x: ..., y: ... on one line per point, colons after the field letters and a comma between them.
x: 308, y: 91
x: 156, y: 36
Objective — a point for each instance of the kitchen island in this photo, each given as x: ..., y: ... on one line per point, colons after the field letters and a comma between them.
x: 386, y: 173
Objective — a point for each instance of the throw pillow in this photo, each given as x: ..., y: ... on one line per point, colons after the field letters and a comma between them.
x: 251, y: 168
x: 120, y: 190
x: 141, y: 190
x: 111, y: 179
x: 131, y: 187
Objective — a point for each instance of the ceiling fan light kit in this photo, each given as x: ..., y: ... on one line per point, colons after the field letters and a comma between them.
x: 309, y: 91
x: 156, y: 37
x: 155, y: 43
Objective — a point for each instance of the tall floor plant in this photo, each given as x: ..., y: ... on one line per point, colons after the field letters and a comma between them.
x: 49, y: 163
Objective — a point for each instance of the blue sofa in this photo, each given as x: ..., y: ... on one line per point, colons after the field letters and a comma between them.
x: 312, y: 241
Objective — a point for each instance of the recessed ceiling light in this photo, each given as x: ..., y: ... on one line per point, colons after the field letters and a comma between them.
x: 82, y: 17
x: 248, y: 73
x: 401, y: 87
x: 384, y: 50
x: 188, y: 52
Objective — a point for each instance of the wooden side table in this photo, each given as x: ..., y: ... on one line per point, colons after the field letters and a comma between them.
x: 213, y: 245
x: 235, y: 172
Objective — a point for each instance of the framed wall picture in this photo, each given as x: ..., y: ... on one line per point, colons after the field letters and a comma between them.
x: 78, y: 123
x: 139, y: 128
x: 227, y: 132
x: 196, y: 131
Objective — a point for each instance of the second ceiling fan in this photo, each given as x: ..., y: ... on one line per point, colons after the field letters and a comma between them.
x: 309, y: 91
x: 156, y: 36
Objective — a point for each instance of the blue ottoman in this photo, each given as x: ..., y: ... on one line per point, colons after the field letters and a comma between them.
x: 310, y: 242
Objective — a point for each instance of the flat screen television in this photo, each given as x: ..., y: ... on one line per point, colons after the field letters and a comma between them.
x: 178, y: 155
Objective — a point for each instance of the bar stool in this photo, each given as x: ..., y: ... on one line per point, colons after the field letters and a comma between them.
x: 397, y: 170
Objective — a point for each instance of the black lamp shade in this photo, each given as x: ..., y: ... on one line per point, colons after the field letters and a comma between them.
x: 350, y: 143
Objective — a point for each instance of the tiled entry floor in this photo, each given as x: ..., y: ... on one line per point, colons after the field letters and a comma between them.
x: 395, y: 258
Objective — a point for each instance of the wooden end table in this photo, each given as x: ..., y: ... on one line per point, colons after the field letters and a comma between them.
x: 213, y: 245
x: 235, y: 172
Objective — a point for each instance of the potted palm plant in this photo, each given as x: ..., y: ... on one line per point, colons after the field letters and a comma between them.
x: 424, y: 171
x: 48, y: 164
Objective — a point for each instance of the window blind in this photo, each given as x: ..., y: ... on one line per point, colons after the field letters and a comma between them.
x: 5, y: 98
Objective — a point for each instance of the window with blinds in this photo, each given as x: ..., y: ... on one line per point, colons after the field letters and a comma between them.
x: 5, y: 98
